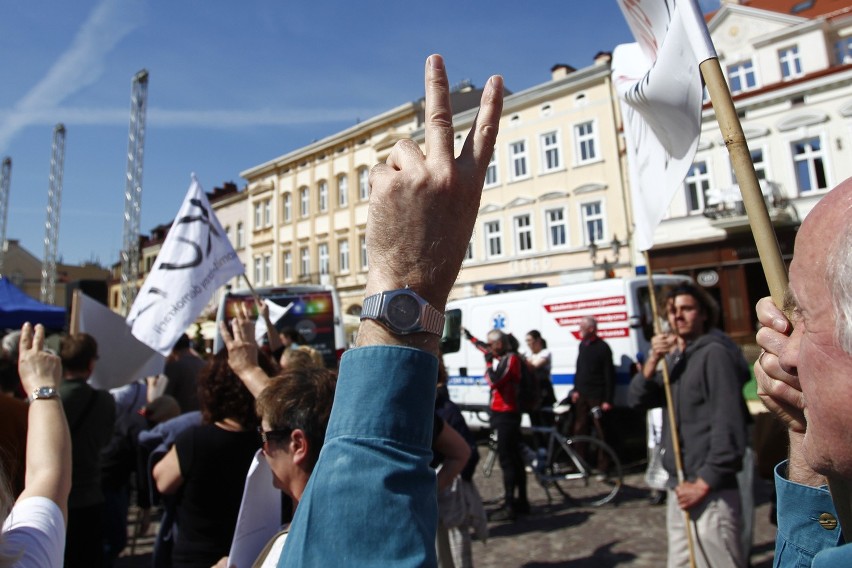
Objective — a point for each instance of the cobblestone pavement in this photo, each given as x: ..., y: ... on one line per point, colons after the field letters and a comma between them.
x: 628, y: 532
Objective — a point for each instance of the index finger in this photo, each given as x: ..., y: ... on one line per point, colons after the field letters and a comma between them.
x: 225, y: 333
x: 25, y: 341
x: 438, y: 114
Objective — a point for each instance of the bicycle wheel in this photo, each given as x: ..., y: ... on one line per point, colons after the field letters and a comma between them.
x: 585, y: 470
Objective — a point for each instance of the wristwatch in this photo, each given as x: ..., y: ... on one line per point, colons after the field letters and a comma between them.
x: 403, y: 311
x: 43, y: 392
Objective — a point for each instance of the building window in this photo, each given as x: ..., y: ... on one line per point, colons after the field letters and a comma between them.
x: 322, y: 196
x: 523, y: 234
x: 491, y: 171
x: 586, y: 142
x: 593, y: 222
x: 258, y: 216
x: 697, y: 183
x: 518, y: 158
x: 791, y: 64
x: 305, y: 262
x: 468, y: 255
x: 551, y: 158
x: 304, y: 202
x: 267, y: 213
x: 323, y: 258
x: 241, y: 235
x: 493, y: 239
x: 267, y: 269
x: 288, y: 207
x: 342, y: 190
x: 287, y: 261
x: 741, y: 77
x: 343, y: 255
x: 809, y: 163
x: 557, y: 228
x: 363, y: 184
x: 843, y: 50
x: 258, y: 266
x: 362, y: 245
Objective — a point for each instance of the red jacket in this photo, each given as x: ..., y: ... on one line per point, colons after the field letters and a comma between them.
x: 504, y: 376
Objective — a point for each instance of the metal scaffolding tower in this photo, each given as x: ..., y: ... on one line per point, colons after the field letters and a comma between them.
x: 133, y: 190
x: 51, y: 225
x: 5, y: 176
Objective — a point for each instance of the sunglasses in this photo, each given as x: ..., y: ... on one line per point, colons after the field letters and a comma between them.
x: 272, y: 436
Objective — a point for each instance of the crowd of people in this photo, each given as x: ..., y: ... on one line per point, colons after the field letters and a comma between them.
x: 354, y: 453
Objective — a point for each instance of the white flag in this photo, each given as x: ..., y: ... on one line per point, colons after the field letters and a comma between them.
x: 276, y: 312
x: 195, y: 260
x: 659, y: 88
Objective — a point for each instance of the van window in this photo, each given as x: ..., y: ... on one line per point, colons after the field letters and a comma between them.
x: 451, y: 341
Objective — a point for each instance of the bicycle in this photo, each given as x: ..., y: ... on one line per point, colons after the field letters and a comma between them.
x: 568, y: 464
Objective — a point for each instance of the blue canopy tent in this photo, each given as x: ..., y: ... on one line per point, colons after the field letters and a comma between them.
x: 17, y: 308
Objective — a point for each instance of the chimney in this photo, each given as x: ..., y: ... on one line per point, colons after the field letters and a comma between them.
x: 602, y: 58
x: 560, y: 71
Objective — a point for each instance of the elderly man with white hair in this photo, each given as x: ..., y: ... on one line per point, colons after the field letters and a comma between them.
x: 804, y: 378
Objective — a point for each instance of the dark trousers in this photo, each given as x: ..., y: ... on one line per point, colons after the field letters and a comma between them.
x: 84, y: 540
x: 585, y: 425
x: 508, y: 428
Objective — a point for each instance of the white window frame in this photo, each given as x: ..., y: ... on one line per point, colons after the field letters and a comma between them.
x: 363, y: 183
x: 593, y: 219
x: 519, y: 160
x: 342, y: 190
x: 523, y: 233
x: 343, y: 256
x: 362, y: 247
x: 258, y: 266
x: 287, y: 207
x: 492, y: 177
x: 492, y: 233
x: 304, y: 262
x: 287, y: 262
x: 556, y: 226
x: 586, y: 142
x: 468, y: 255
x: 324, y: 263
x: 267, y: 268
x: 322, y: 196
x: 258, y: 215
x: 304, y: 201
x: 241, y: 235
x: 790, y: 62
x: 742, y: 71
x: 267, y: 213
x: 551, y: 151
x: 696, y: 183
x: 810, y: 157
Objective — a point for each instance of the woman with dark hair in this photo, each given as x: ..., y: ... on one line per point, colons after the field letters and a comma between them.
x: 541, y: 360
x: 208, y: 465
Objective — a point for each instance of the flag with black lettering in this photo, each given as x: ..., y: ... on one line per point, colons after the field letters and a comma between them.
x: 195, y: 260
x: 659, y: 87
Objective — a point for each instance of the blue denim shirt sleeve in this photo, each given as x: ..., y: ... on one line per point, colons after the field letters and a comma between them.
x: 800, y: 537
x: 371, y: 500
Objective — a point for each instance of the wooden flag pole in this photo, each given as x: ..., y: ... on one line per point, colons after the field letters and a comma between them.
x: 74, y: 320
x: 670, y: 408
x: 761, y: 227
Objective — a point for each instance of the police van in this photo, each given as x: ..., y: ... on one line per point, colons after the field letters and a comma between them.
x: 621, y: 306
x: 314, y: 311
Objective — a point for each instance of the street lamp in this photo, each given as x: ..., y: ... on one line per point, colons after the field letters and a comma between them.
x: 607, y: 264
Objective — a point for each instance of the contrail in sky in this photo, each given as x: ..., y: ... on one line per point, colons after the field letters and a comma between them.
x: 81, y: 65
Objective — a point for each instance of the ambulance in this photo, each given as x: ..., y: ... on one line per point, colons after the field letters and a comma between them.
x: 621, y: 306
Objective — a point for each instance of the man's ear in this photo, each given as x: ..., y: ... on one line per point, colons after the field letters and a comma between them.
x: 299, y: 446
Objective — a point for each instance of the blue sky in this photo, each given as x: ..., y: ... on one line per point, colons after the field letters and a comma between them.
x: 235, y: 84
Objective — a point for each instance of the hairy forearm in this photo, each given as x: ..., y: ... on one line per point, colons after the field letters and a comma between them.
x: 798, y: 469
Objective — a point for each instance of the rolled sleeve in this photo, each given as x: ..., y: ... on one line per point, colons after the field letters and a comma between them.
x: 371, y: 500
x: 805, y: 516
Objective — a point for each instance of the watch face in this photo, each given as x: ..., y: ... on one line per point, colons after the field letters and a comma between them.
x: 403, y: 311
